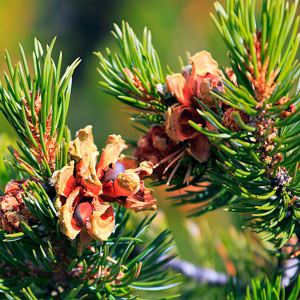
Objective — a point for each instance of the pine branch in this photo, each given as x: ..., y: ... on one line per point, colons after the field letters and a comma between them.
x: 106, y: 269
x: 135, y: 75
x: 198, y: 274
x: 255, y: 148
x: 31, y: 241
x: 36, y: 107
x: 265, y: 289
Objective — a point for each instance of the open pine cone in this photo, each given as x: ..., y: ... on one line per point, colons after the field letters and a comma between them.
x: 12, y: 207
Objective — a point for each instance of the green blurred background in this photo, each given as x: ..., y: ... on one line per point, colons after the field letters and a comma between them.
x: 83, y: 27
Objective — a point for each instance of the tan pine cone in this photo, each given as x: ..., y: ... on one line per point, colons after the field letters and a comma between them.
x: 12, y: 207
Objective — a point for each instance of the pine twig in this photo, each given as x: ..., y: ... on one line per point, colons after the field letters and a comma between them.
x: 198, y: 274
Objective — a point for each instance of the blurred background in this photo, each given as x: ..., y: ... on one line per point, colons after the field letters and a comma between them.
x: 82, y: 27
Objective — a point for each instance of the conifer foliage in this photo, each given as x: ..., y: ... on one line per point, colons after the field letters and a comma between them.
x: 235, y: 130
x: 63, y: 217
x: 224, y: 136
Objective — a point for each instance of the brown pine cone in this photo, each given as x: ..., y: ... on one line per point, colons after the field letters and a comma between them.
x: 155, y: 146
x: 12, y: 207
x: 230, y: 123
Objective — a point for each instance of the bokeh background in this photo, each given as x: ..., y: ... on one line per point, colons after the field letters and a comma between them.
x: 82, y: 27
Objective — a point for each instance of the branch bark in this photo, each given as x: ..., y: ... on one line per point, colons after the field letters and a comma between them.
x: 201, y: 275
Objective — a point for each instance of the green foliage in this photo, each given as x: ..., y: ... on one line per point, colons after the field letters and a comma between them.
x: 265, y: 289
x: 36, y: 107
x: 237, y: 255
x: 120, y: 267
x: 266, y: 188
x: 4, y: 176
x: 240, y: 29
x: 253, y: 170
x: 38, y: 261
x: 134, y: 75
